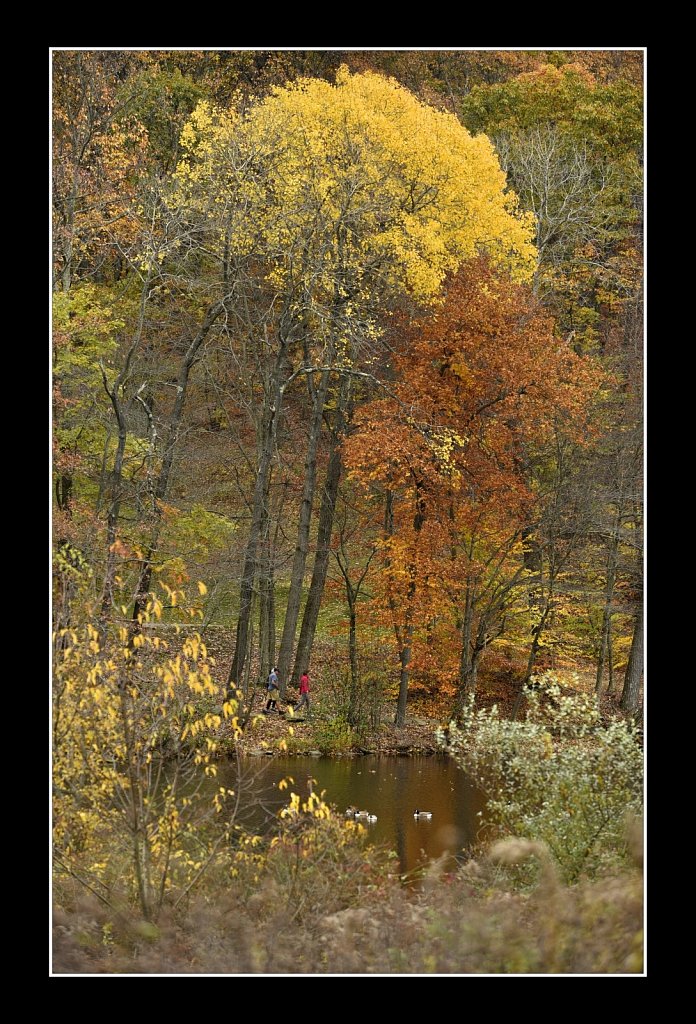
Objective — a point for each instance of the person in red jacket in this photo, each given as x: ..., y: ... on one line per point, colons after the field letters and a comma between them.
x: 304, y: 692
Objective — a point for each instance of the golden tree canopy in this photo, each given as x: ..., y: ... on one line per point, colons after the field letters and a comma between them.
x: 346, y: 190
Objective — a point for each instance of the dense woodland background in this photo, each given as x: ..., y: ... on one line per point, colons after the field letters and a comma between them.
x: 408, y: 460
x: 348, y: 361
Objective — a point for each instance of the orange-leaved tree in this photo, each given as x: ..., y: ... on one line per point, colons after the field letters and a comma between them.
x: 482, y: 382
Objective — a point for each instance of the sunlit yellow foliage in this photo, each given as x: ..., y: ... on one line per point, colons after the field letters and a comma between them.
x: 350, y: 189
x: 132, y: 726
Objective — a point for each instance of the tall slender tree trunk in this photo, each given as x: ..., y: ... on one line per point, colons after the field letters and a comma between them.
x: 630, y: 696
x: 533, y: 651
x: 302, y: 545
x: 310, y: 616
x: 404, y: 677
x: 66, y: 276
x: 402, y: 635
x: 271, y: 620
x: 265, y: 592
x: 264, y: 653
x: 259, y: 516
x: 604, y: 649
x: 64, y: 485
x: 250, y: 571
x: 114, y: 393
x: 312, y: 607
x: 162, y: 485
x: 114, y: 509
x: 103, y: 472
x: 407, y: 633
x: 610, y: 658
x: 465, y: 661
x: 266, y: 586
x: 353, y: 702
x: 352, y: 595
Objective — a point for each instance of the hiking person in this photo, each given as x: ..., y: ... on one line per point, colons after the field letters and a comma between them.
x: 304, y: 692
x: 272, y: 686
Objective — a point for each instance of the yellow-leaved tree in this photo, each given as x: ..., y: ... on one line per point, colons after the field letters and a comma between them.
x: 136, y: 726
x: 344, y: 190
x: 324, y: 205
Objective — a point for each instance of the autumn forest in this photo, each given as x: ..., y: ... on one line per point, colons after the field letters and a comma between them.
x: 348, y: 359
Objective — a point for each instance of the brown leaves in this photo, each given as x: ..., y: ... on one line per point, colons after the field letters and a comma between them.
x: 480, y: 386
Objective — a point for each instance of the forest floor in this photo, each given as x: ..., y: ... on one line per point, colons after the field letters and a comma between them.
x: 309, y: 732
x: 428, y: 707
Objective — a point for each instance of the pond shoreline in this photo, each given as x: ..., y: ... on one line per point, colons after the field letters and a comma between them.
x: 410, y: 751
x: 323, y: 734
x: 273, y: 735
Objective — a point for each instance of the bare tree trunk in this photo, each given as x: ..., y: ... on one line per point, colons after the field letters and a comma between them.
x: 64, y: 485
x: 259, y: 513
x: 302, y: 546
x: 103, y: 473
x: 404, y: 677
x: 465, y: 663
x: 271, y: 620
x: 403, y: 636
x: 405, y: 653
x: 114, y: 506
x: 312, y: 607
x: 534, y: 650
x: 264, y: 584
x: 630, y: 697
x: 265, y: 656
x: 266, y: 587
x: 352, y: 594
x: 162, y: 486
x: 353, y: 709
x: 607, y: 613
x: 66, y: 276
x: 250, y: 569
x: 610, y: 658
x: 310, y: 616
x: 114, y: 394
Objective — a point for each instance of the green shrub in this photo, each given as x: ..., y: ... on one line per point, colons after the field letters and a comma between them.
x: 334, y: 736
x: 575, y: 714
x: 558, y: 777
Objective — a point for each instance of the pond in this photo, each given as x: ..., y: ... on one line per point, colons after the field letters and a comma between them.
x: 390, y: 787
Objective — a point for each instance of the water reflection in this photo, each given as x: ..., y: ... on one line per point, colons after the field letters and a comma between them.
x: 391, y: 788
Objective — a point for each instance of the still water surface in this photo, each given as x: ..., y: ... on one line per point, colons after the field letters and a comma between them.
x: 390, y: 787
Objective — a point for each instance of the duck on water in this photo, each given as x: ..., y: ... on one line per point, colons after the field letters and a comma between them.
x: 351, y: 812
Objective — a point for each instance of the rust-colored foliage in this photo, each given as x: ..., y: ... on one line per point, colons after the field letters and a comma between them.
x: 481, y: 383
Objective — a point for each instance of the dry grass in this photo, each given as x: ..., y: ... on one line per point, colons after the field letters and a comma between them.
x: 466, y: 923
